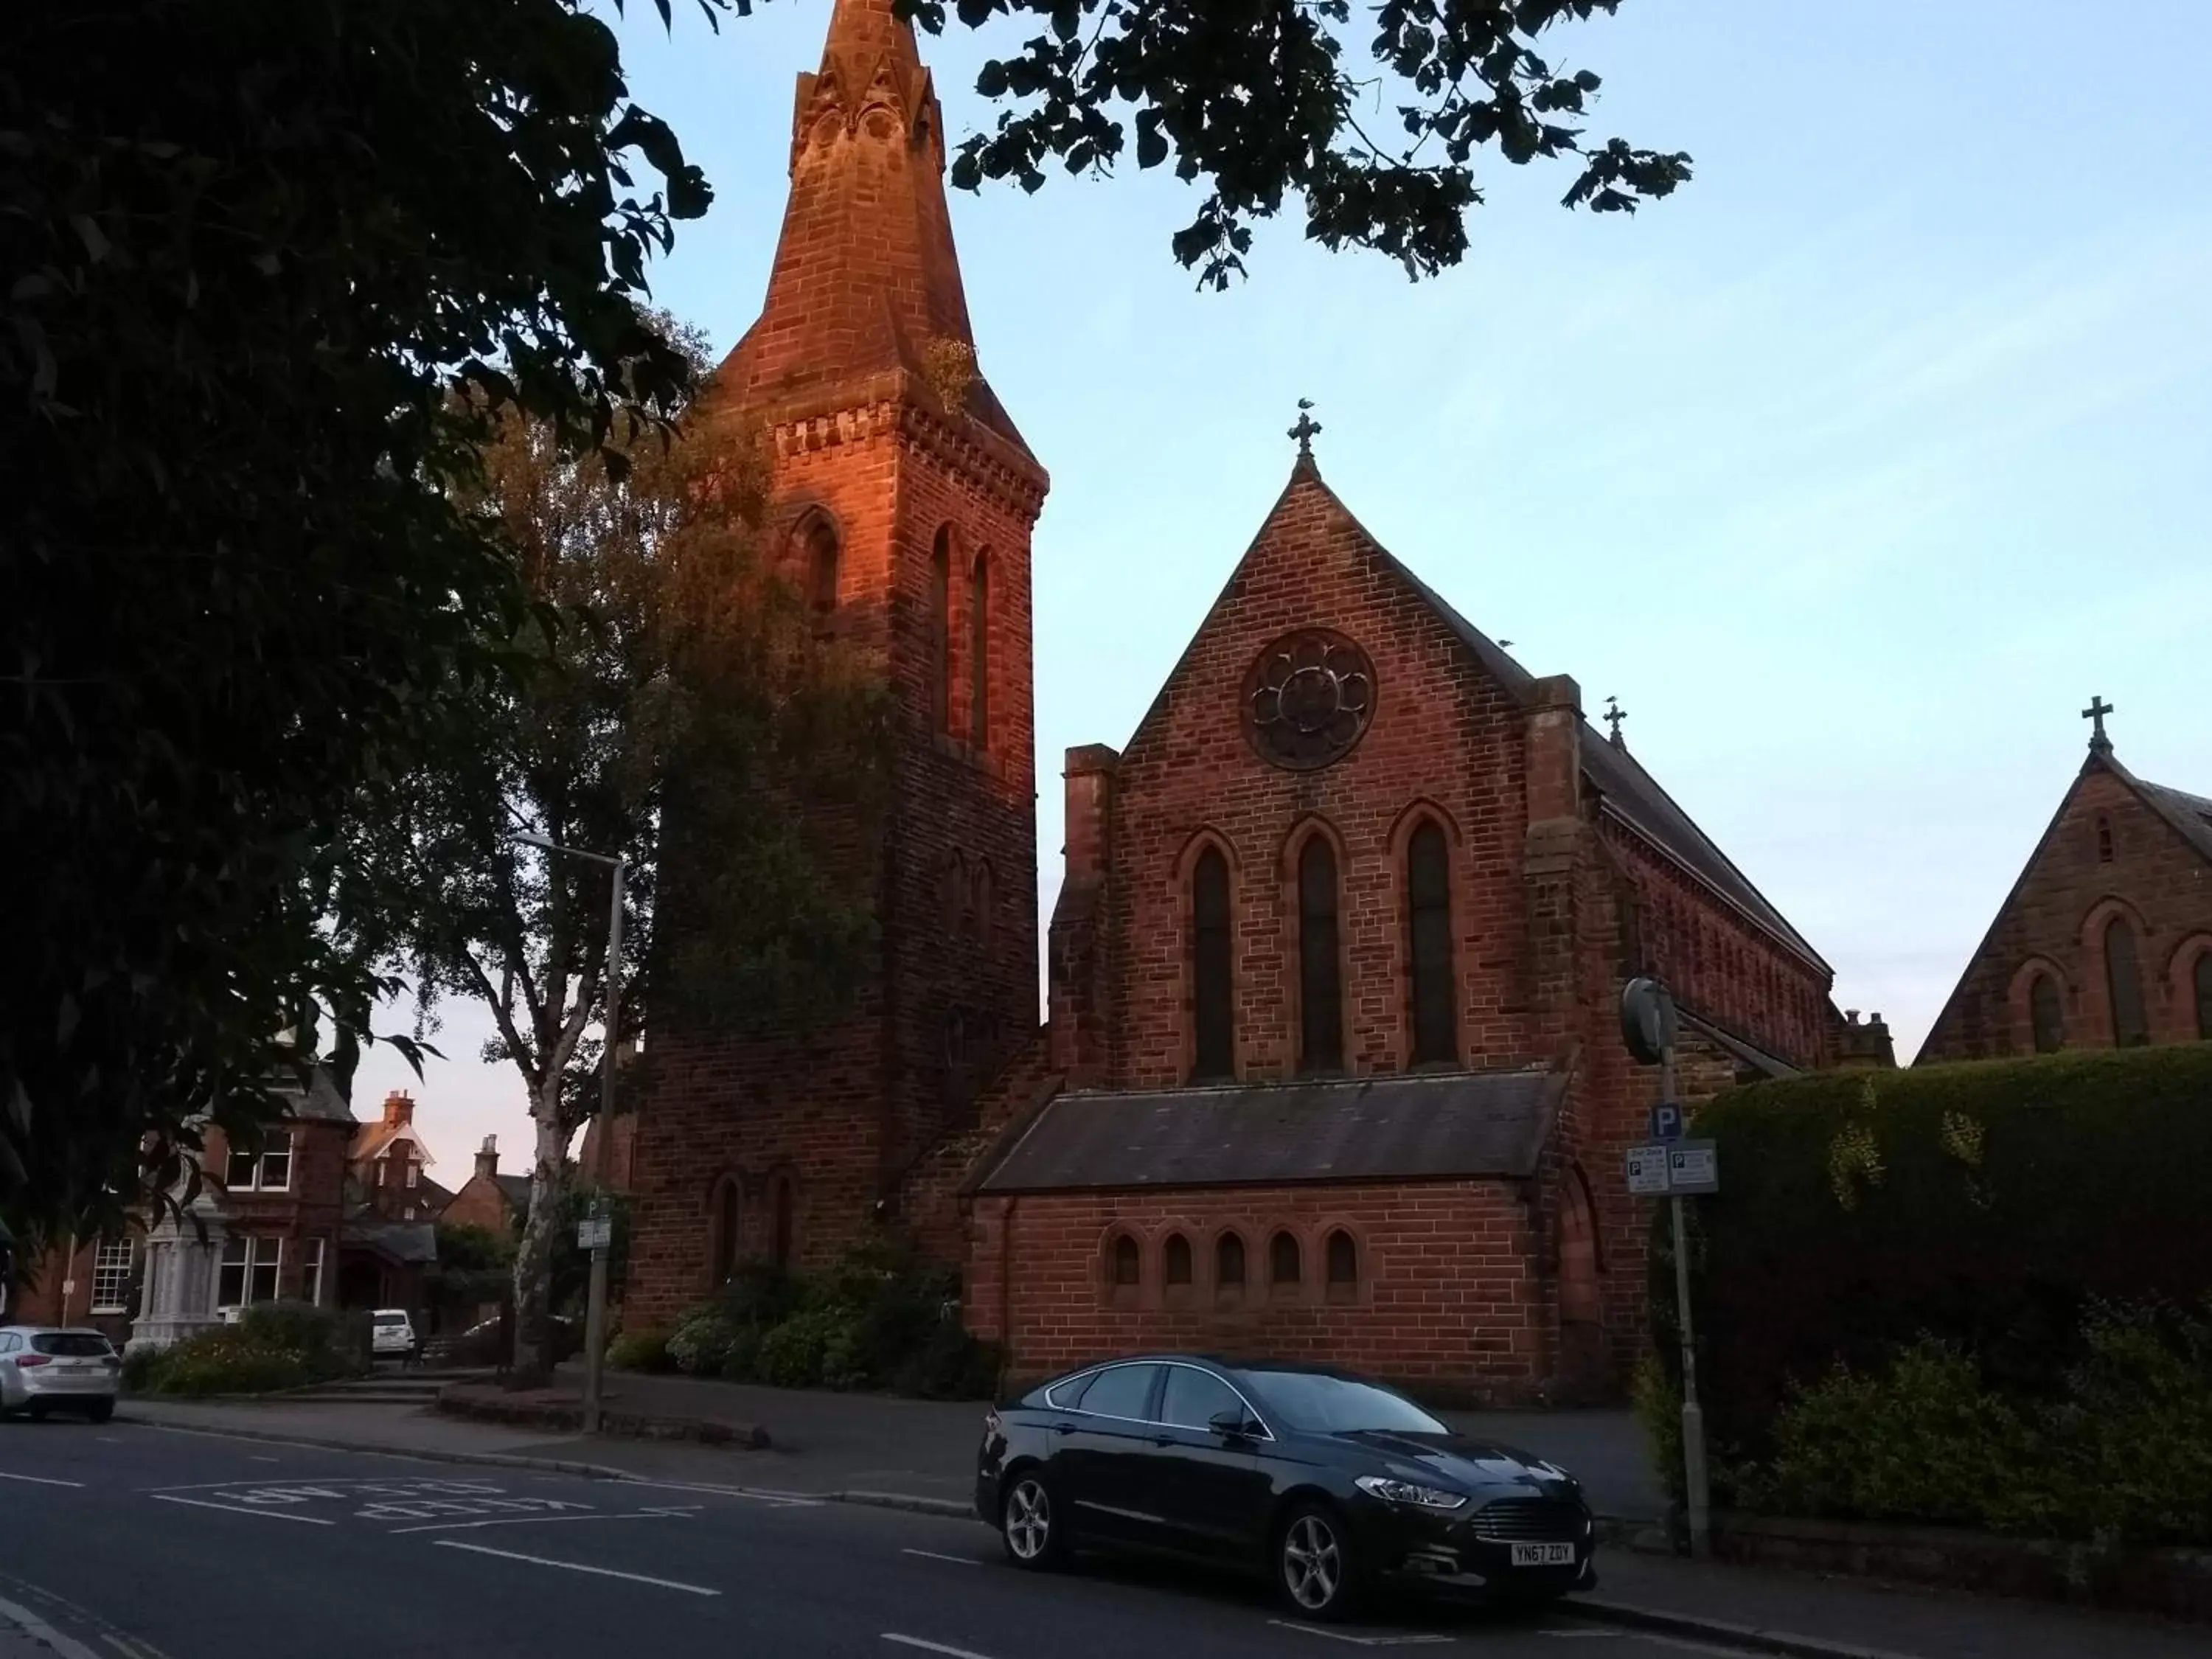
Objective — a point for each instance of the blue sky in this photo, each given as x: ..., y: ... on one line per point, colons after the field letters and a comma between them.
x: 1853, y: 470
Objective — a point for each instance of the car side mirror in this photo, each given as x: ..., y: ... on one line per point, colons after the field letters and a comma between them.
x: 1231, y: 1426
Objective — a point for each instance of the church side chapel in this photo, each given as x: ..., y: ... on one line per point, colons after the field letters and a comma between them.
x: 1332, y: 1068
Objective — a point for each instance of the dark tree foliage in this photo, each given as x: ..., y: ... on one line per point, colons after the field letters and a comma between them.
x: 1254, y: 99
x: 248, y: 248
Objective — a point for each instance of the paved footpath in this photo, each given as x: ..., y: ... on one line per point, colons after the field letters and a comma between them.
x: 770, y: 1518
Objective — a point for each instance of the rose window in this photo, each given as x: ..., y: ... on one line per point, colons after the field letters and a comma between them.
x: 1309, y: 699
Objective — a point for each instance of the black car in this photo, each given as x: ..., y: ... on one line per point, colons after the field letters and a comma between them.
x: 1330, y: 1483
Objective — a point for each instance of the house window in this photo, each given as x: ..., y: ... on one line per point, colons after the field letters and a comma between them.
x: 941, y: 630
x: 310, y: 1272
x: 1175, y: 1261
x: 2045, y: 1016
x: 1343, y: 1260
x: 268, y: 1171
x: 2103, y: 841
x: 383, y: 1170
x: 1128, y: 1267
x: 249, y: 1271
x: 1229, y: 1264
x: 2123, y: 978
x: 979, y: 653
x: 2204, y: 996
x: 414, y: 1171
x: 1283, y: 1260
x: 1320, y: 995
x: 1214, y: 1051
x: 111, y: 1276
x: 783, y: 1225
x: 820, y: 555
x: 1428, y: 895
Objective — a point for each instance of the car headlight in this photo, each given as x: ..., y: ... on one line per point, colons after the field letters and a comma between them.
x: 1406, y: 1492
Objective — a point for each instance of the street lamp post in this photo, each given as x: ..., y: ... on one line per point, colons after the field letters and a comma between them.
x: 595, y: 1305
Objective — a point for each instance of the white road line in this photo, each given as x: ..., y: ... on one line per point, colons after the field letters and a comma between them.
x: 961, y: 1561
x: 763, y: 1494
x: 1411, y: 1639
x: 536, y: 1520
x: 39, y: 1631
x: 38, y: 1479
x: 258, y: 1458
x: 931, y: 1647
x: 573, y: 1566
x: 241, y: 1508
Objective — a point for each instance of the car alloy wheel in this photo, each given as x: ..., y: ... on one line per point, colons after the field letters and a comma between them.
x: 1027, y: 1523
x: 1314, y: 1565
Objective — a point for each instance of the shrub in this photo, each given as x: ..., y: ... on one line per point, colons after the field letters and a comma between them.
x: 702, y: 1342
x: 758, y: 1293
x: 299, y: 1327
x: 741, y: 1361
x: 140, y: 1368
x: 951, y: 1364
x: 816, y: 1347
x: 229, y: 1359
x: 644, y: 1350
x: 1657, y: 1403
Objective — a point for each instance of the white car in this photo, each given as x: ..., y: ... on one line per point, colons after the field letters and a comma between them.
x: 390, y: 1331
x: 44, y: 1368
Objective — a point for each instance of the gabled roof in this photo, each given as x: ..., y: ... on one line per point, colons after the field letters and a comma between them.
x: 1425, y: 1126
x: 2189, y: 815
x: 319, y: 1102
x: 515, y: 1189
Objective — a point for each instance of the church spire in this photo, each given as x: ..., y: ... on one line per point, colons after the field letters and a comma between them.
x: 866, y: 282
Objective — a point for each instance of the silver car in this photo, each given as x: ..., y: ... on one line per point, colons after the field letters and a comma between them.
x: 44, y: 1368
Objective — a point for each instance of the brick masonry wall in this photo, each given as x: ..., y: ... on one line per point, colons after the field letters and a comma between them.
x: 2054, y: 921
x: 1443, y: 1299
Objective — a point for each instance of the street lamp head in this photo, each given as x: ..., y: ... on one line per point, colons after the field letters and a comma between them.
x: 531, y: 838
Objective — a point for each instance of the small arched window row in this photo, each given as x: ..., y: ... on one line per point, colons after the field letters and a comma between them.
x: 1131, y: 1271
x: 729, y: 1227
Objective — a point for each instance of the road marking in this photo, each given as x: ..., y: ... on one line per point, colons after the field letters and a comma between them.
x: 959, y: 1560
x: 241, y: 1509
x: 1427, y: 1638
x: 39, y: 1631
x: 762, y: 1494
x: 38, y: 1479
x: 258, y: 1458
x: 540, y: 1519
x: 931, y: 1647
x: 573, y: 1566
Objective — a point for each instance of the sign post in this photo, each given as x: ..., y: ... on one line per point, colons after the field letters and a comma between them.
x: 1648, y: 1022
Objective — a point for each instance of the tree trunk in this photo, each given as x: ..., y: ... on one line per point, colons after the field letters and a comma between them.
x: 534, y: 1258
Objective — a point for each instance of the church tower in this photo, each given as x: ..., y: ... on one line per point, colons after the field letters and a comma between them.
x: 903, y: 499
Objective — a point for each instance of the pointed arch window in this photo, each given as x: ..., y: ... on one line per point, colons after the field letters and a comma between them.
x: 979, y: 652
x: 941, y: 630
x: 2104, y: 839
x: 1213, y: 1051
x: 2045, y: 1017
x: 1320, y: 990
x: 819, y: 550
x: 1429, y: 942
x: 2123, y: 978
x: 1175, y: 1261
x: 1284, y: 1266
x: 1229, y: 1265
x: 1343, y: 1260
x: 2204, y: 996
x: 1129, y: 1266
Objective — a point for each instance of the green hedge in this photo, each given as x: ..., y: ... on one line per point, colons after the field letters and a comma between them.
x: 1987, y: 1206
x: 274, y: 1346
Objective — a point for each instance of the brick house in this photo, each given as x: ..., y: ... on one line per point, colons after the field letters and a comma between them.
x: 385, y: 1166
x: 487, y: 1199
x: 1332, y: 1066
x: 2106, y: 939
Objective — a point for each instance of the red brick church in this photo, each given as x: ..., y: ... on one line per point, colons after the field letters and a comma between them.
x: 1332, y: 1066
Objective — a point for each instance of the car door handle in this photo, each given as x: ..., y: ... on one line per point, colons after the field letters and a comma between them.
x: 1163, y: 1440
x: 1063, y: 1428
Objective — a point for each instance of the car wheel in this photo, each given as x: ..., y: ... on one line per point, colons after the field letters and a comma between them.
x: 100, y: 1410
x: 1030, y: 1524
x: 1314, y: 1573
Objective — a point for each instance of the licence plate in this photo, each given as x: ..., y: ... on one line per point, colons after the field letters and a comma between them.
x: 1543, y: 1555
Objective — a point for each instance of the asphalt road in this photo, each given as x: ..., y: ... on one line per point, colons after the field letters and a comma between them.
x: 160, y: 1544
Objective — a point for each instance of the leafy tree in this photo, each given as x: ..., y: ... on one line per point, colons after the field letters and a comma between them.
x: 248, y: 250
x: 1255, y: 99
x: 666, y: 671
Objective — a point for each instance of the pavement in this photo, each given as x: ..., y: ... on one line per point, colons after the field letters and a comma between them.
x: 763, y: 1539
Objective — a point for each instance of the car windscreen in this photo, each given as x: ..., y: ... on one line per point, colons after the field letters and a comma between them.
x: 1316, y: 1404
x: 392, y: 1319
x: 72, y: 1345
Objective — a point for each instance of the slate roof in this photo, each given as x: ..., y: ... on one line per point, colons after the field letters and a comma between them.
x: 517, y: 1189
x: 1623, y: 788
x: 321, y: 1102
x: 2189, y: 815
x: 1432, y: 1126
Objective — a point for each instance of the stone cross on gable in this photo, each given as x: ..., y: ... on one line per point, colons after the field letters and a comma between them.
x: 1615, y: 713
x: 2095, y: 712
x: 1306, y: 430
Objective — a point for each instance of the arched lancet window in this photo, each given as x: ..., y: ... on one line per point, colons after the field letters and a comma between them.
x: 1434, y: 990
x: 979, y: 652
x: 722, y: 1244
x: 1343, y: 1260
x: 2045, y: 1017
x: 941, y: 630
x: 818, y: 546
x: 954, y: 893
x: 1229, y: 1263
x: 2103, y: 841
x: 1213, y: 1050
x: 2204, y: 996
x: 1127, y: 1265
x: 780, y: 1244
x: 1175, y: 1261
x: 979, y: 900
x: 1321, y: 991
x: 2123, y: 978
x: 1283, y: 1265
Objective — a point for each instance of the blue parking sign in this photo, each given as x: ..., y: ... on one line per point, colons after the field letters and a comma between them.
x: 1666, y: 1122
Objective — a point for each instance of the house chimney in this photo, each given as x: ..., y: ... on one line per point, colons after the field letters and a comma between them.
x: 1554, y: 750
x: 488, y: 1158
x: 398, y: 1106
x: 1089, y: 775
